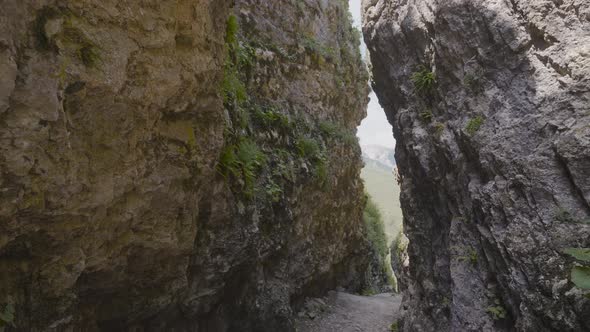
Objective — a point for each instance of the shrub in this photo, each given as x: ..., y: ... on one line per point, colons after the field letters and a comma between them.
x: 375, y: 227
x: 498, y: 312
x: 232, y: 86
x: 313, y: 46
x: 271, y: 118
x: 334, y: 131
x: 231, y: 30
x: 274, y: 191
x: 423, y: 79
x: 242, y: 161
x: 394, y: 327
x: 308, y: 148
x: 473, y: 125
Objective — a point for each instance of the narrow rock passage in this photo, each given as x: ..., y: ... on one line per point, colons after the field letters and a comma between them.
x: 343, y: 312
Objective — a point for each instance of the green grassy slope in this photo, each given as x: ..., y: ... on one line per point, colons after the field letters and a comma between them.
x: 381, y: 185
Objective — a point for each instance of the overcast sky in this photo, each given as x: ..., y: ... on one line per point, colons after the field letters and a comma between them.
x: 374, y: 130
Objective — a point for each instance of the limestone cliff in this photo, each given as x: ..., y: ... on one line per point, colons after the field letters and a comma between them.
x: 490, y: 106
x: 177, y: 164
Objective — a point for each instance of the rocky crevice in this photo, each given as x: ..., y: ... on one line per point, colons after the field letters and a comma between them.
x: 489, y: 204
x: 183, y: 165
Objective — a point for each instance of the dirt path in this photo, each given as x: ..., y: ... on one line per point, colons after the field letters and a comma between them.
x: 342, y: 312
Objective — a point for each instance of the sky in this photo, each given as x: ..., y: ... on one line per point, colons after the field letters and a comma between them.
x: 374, y: 130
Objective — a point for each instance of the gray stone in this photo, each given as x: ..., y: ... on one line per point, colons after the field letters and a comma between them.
x: 484, y: 202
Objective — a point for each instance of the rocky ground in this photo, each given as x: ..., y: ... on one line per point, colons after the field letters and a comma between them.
x: 343, y: 312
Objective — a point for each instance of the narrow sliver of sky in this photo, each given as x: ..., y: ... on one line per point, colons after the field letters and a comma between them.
x: 374, y: 130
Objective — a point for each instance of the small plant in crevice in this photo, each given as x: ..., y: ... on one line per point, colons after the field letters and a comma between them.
x: 368, y: 292
x: 473, y: 125
x: 332, y: 130
x: 316, y: 48
x: 274, y: 191
x: 580, y: 273
x: 308, y: 148
x: 423, y: 79
x: 497, y: 311
x: 426, y: 116
x: 71, y: 37
x: 85, y: 50
x: 439, y: 128
x: 242, y: 161
x: 565, y: 216
x: 271, y: 118
x: 394, y: 327
x: 470, y: 257
x: 231, y: 30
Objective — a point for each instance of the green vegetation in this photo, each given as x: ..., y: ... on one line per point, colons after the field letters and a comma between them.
x: 426, y: 116
x: 471, y: 257
x: 394, y: 327
x: 86, y: 51
x: 423, y: 79
x: 581, y: 277
x: 498, y: 312
x: 231, y: 30
x: 234, y: 90
x: 309, y: 148
x: 267, y: 144
x: 274, y: 191
x: 439, y: 128
x: 376, y: 235
x: 242, y: 161
x: 332, y: 130
x: 381, y: 185
x: 473, y: 125
x: 72, y: 37
x: 580, y: 274
x: 314, y: 47
x: 272, y: 118
x: 375, y: 227
x: 564, y: 215
x: 7, y: 315
x: 581, y: 254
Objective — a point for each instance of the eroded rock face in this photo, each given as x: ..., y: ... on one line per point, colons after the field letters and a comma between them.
x: 494, y: 155
x: 121, y: 206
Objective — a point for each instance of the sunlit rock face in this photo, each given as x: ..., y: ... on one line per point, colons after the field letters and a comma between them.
x: 490, y: 105
x: 178, y: 165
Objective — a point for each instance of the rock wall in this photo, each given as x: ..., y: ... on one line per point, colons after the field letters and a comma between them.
x: 490, y: 106
x: 177, y: 165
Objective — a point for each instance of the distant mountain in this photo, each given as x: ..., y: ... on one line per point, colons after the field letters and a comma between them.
x: 379, y: 156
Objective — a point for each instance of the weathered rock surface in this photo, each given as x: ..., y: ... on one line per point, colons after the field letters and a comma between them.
x: 156, y: 174
x: 494, y: 156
